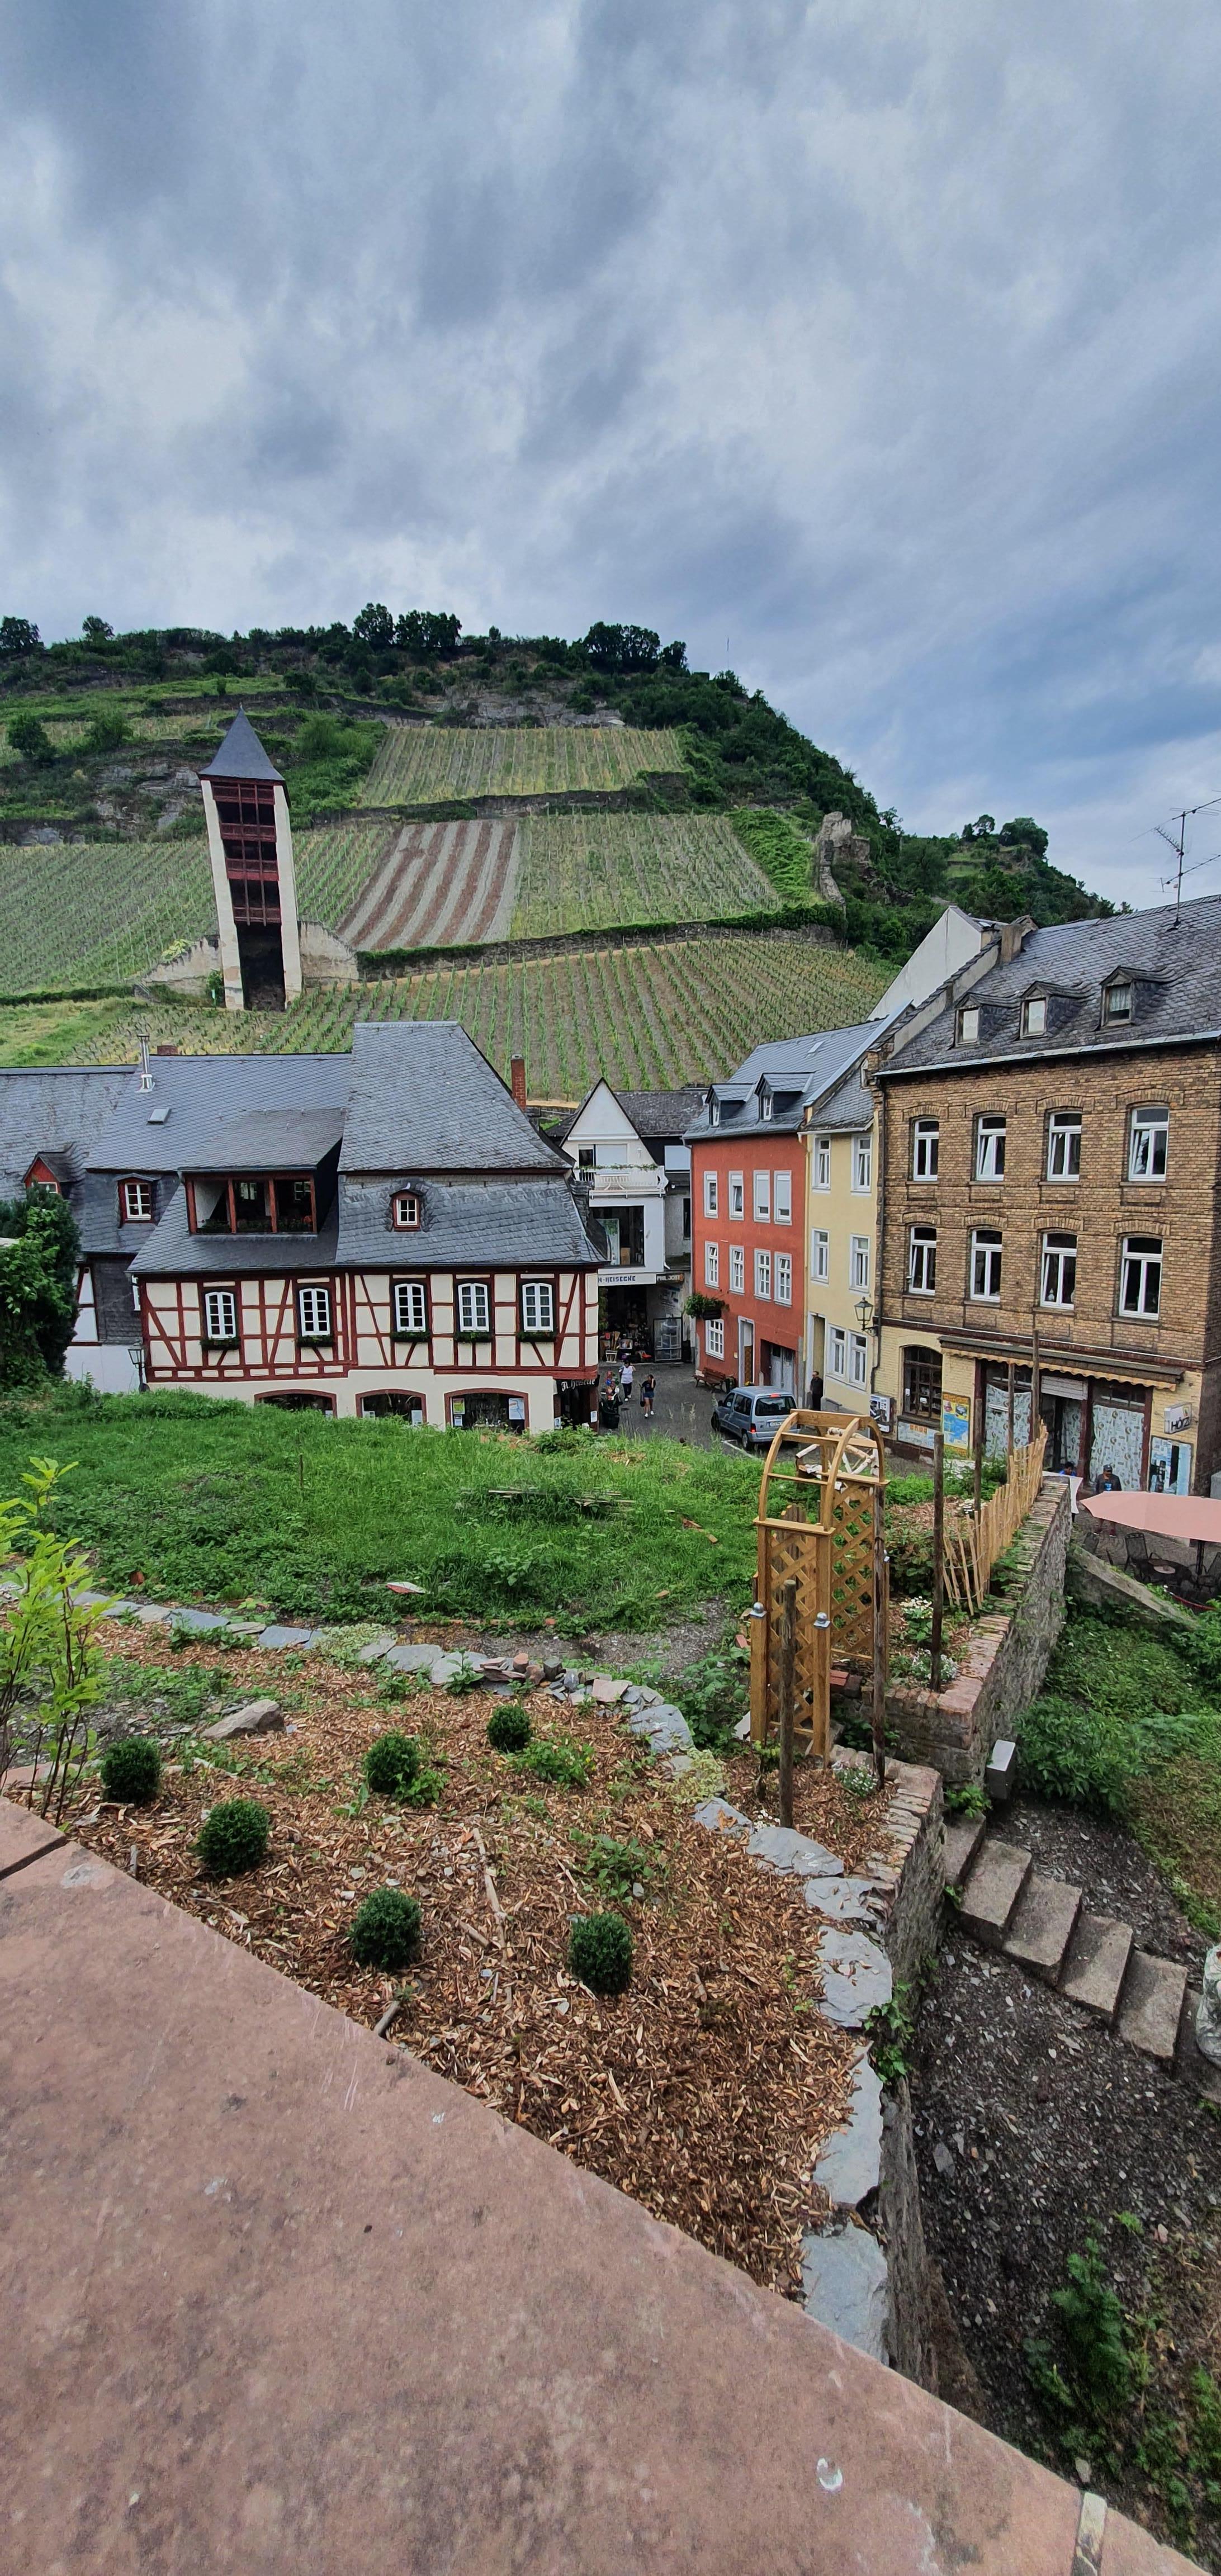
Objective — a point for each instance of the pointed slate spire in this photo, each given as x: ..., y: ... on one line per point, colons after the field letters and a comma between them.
x: 241, y: 754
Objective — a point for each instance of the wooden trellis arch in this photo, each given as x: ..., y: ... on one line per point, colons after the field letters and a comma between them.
x: 819, y: 1521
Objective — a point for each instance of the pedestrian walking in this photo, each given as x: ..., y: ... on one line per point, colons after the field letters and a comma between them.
x: 648, y: 1389
x: 814, y: 1394
x: 627, y: 1380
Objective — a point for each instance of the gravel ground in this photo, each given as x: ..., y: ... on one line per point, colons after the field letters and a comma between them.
x: 1036, y: 2128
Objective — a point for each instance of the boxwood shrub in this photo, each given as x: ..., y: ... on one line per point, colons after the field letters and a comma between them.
x: 385, y: 1929
x: 600, y: 1952
x: 131, y: 1770
x: 234, y: 1837
x: 509, y: 1728
x: 391, y: 1764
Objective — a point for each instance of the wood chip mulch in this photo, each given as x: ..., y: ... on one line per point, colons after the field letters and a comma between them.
x: 706, y: 2091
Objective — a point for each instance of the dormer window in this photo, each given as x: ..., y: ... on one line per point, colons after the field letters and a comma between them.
x: 406, y: 1211
x: 968, y: 1025
x: 1117, y: 1002
x: 136, y: 1202
x: 765, y: 1104
x: 251, y: 1203
x: 714, y: 1113
x: 1034, y: 1016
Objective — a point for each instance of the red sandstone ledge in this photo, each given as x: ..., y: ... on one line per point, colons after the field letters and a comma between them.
x: 280, y: 2302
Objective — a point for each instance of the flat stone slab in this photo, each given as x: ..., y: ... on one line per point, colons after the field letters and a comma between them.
x: 201, y: 1619
x: 23, y: 1837
x: 1193, y: 2066
x: 607, y: 1690
x: 997, y: 1878
x: 275, y: 1637
x: 376, y: 1648
x: 1097, y: 1963
x: 781, y: 1847
x: 844, y: 1900
x: 963, y: 1837
x: 856, y: 1976
x: 1151, y: 2005
x: 664, y: 1725
x: 844, y: 2285
x: 1041, y: 1925
x: 721, y: 1818
x: 412, y: 1659
x: 850, y: 2166
x: 258, y: 1717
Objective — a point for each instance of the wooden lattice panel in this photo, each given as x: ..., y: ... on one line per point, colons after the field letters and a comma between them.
x: 852, y: 1574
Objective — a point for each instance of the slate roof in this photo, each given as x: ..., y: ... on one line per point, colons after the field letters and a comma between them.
x: 850, y: 1107
x: 475, y: 1224
x: 241, y: 754
x: 55, y: 1111
x: 207, y: 1096
x: 806, y: 1070
x: 171, y: 1251
x: 660, y: 1117
x: 1177, y: 974
x: 422, y: 1096
x: 267, y: 1140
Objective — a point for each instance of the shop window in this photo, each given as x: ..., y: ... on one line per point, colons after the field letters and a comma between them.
x: 922, y: 1384
x: 1140, y: 1275
x: 1064, y: 1145
x: 986, y: 1264
x: 393, y: 1404
x: 926, y: 1144
x: 1148, y: 1145
x: 922, y: 1260
x: 486, y: 1409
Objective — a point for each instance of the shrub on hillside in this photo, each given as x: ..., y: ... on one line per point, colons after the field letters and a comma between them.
x: 29, y: 736
x: 600, y: 1952
x: 107, y: 731
x: 509, y: 1729
x: 392, y: 1763
x: 131, y: 1770
x: 385, y: 1930
x: 234, y: 1837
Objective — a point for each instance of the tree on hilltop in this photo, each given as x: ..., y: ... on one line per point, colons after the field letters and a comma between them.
x: 17, y: 635
x: 374, y: 626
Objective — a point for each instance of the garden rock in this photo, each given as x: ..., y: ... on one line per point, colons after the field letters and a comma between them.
x: 844, y: 1900
x: 1208, y: 2010
x: 782, y: 1848
x: 721, y: 1818
x: 844, y: 2286
x: 258, y: 1717
x: 275, y: 1639
x: 374, y: 1651
x: 856, y: 1977
x: 200, y: 1619
x: 607, y: 1691
x: 850, y: 2166
x: 412, y: 1659
x: 665, y: 1727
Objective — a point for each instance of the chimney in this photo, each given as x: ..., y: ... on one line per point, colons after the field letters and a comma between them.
x: 1013, y: 937
x: 167, y: 1050
x: 517, y: 1080
x: 146, y: 1079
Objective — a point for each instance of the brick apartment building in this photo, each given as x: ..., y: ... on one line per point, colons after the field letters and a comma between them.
x: 1050, y: 1128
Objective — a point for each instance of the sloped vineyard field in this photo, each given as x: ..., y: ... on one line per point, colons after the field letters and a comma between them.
x: 438, y: 882
x: 583, y: 872
x: 648, y: 1017
x: 75, y: 913
x: 334, y: 862
x: 429, y: 764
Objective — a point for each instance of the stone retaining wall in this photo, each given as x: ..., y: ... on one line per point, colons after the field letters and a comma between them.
x: 1007, y: 1655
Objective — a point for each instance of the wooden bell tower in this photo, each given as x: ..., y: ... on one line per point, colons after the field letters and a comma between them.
x: 250, y: 845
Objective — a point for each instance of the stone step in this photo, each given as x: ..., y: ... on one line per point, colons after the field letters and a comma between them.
x: 1151, y: 2005
x: 962, y: 1840
x: 1041, y: 1925
x: 997, y: 1878
x: 1097, y: 1963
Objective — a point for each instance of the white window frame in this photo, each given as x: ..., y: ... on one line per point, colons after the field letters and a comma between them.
x: 714, y: 1338
x: 1034, y: 1016
x: 473, y: 1302
x: 406, y: 1211
x: 1150, y: 1129
x: 737, y: 1194
x: 858, y: 1360
x: 1058, y: 1271
x: 990, y: 1128
x: 784, y: 1279
x: 837, y: 1352
x: 820, y: 1255
x: 968, y: 1024
x: 765, y: 1107
x: 763, y: 1275
x: 782, y: 1198
x: 984, y: 1286
x: 538, y: 1309
x: 922, y: 1261
x: 926, y: 1148
x: 410, y: 1304
x: 820, y: 1169
x: 1141, y: 1260
x: 862, y: 1164
x: 710, y: 1193
x: 142, y: 1212
x: 1063, y: 1130
x: 737, y: 1269
x: 220, y: 1318
x: 858, y: 1260
x: 712, y: 1265
x: 315, y: 1315
x: 761, y: 1197
x: 1118, y: 1002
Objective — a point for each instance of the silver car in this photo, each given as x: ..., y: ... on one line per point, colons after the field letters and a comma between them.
x: 750, y: 1414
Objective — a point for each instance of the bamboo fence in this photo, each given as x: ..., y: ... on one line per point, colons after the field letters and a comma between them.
x: 975, y: 1540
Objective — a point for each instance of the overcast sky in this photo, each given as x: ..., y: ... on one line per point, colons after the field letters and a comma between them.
x: 871, y: 346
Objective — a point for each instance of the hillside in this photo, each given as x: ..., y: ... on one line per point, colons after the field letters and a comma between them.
x: 648, y: 1014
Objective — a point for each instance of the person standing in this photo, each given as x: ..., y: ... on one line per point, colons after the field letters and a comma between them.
x: 627, y: 1380
x: 814, y: 1394
x: 648, y: 1389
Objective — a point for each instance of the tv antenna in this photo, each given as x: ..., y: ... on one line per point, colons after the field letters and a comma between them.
x: 1177, y: 842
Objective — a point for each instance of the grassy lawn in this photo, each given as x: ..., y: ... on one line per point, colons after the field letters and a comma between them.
x: 1126, y: 1724
x: 233, y: 1502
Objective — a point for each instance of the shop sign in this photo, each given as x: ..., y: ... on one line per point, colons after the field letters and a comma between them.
x: 956, y: 1422
x: 882, y: 1410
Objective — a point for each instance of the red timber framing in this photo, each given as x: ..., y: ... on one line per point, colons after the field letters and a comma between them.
x: 246, y: 813
x: 362, y: 1312
x: 268, y: 1343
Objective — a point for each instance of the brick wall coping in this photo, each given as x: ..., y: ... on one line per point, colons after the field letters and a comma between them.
x: 278, y: 2299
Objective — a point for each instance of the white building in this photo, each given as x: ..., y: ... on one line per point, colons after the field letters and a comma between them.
x: 627, y: 1151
